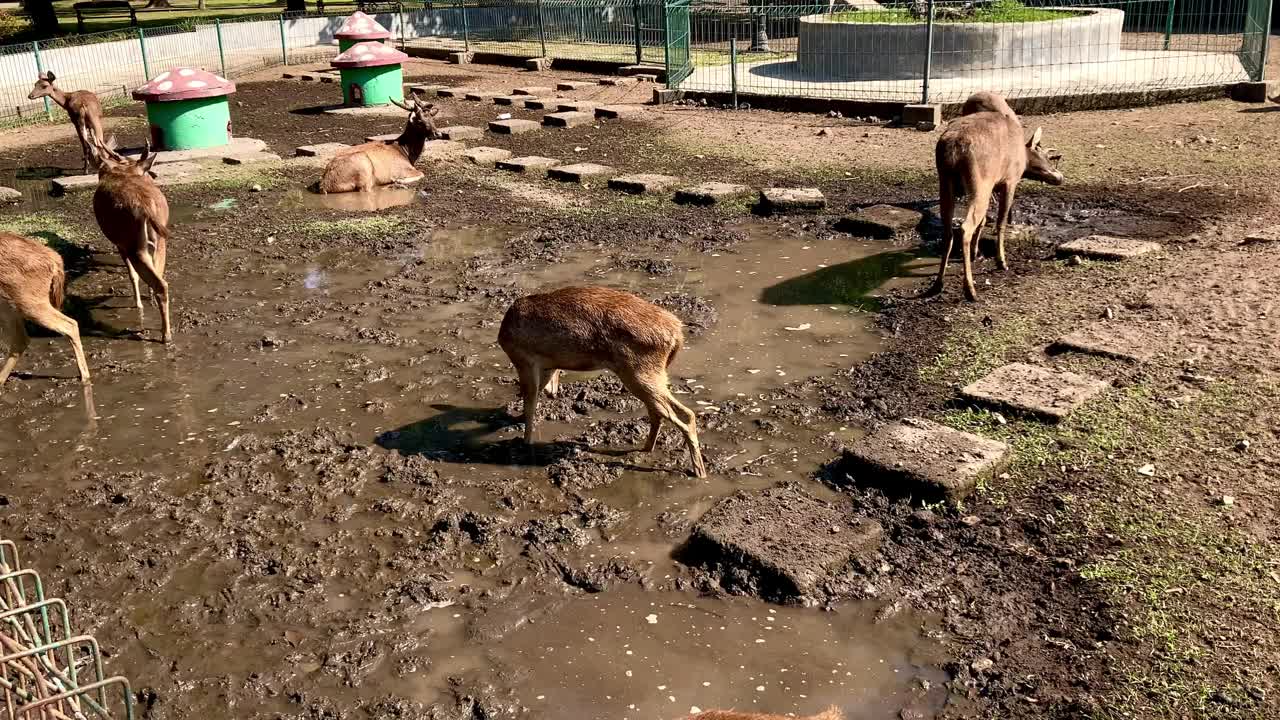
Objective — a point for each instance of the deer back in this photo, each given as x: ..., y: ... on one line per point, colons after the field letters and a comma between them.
x: 27, y: 268
x: 126, y: 201
x: 983, y: 148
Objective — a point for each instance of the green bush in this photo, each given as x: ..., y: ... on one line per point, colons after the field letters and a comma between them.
x: 11, y: 24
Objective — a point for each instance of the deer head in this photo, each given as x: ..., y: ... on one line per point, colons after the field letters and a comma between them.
x: 421, y: 118
x: 108, y: 160
x: 1040, y: 162
x: 44, y: 86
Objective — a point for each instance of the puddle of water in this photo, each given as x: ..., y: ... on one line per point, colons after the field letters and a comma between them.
x: 380, y: 198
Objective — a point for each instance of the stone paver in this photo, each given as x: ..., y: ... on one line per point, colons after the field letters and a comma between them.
x: 442, y: 149
x: 512, y: 100
x: 924, y: 460
x: 567, y: 119
x: 321, y: 149
x: 460, y: 132
x: 883, y: 222
x: 580, y: 106
x: 527, y: 165
x: 8, y: 194
x: 543, y: 103
x: 426, y: 90
x: 487, y: 156
x: 460, y: 57
x: 790, y: 200
x: 575, y: 84
x: 382, y: 138
x: 644, y: 183
x: 387, y: 110
x: 780, y: 543
x: 617, y: 112
x: 710, y: 193
x: 580, y: 172
x: 237, y: 146
x: 1046, y: 394
x: 453, y: 92
x: 1123, y: 341
x: 514, y: 126
x: 72, y: 183
x: 534, y: 90
x: 1103, y: 247
x: 250, y: 158
x: 480, y: 96
x: 618, y: 81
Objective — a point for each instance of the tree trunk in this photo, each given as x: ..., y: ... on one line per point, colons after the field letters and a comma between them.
x: 202, y: 5
x: 159, y: 4
x: 43, y: 18
x: 295, y: 6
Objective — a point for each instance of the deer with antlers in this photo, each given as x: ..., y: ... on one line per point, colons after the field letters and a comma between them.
x: 364, y: 167
x: 134, y: 215
x: 82, y: 106
x: 32, y: 284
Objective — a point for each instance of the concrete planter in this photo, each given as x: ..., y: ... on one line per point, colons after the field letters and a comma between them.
x: 881, y: 51
x: 371, y: 74
x: 187, y: 109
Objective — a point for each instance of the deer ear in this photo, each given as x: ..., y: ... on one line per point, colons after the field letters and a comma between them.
x: 148, y: 159
x: 434, y: 110
x: 1034, y: 142
x: 48, y: 75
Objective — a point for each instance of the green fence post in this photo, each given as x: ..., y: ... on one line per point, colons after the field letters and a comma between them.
x: 402, y: 43
x: 1168, y: 24
x: 666, y: 42
x: 146, y: 66
x: 928, y: 55
x: 35, y: 47
x: 1266, y: 42
x: 542, y: 30
x: 466, y: 37
x: 284, y: 46
x: 733, y: 69
x: 635, y: 19
x: 222, y: 57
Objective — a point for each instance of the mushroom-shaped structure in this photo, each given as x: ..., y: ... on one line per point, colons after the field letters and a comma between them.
x: 359, y: 28
x: 187, y: 108
x: 371, y: 74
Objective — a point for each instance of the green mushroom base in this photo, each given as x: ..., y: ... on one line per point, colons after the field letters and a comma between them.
x: 190, y: 124
x: 368, y: 86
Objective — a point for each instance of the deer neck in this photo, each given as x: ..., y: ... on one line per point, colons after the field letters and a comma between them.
x: 58, y: 96
x: 411, y: 142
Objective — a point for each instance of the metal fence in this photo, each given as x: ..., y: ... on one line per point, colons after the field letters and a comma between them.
x: 933, y: 51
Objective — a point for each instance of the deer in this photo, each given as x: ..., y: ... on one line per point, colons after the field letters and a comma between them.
x: 32, y: 287
x: 979, y: 154
x: 134, y: 215
x: 363, y: 167
x: 598, y: 328
x: 831, y: 713
x: 82, y: 106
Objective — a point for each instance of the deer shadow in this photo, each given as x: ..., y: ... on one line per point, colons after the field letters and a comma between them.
x: 463, y: 435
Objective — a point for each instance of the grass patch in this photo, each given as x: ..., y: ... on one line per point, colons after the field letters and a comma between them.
x: 359, y: 228
x: 972, y: 353
x: 50, y: 228
x: 1001, y: 11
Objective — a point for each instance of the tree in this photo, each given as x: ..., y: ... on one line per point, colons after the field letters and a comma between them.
x: 295, y: 6
x: 43, y: 18
x: 159, y: 4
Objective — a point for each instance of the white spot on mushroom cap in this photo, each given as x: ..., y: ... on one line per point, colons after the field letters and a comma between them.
x: 186, y: 72
x: 197, y: 84
x: 160, y: 77
x: 162, y: 87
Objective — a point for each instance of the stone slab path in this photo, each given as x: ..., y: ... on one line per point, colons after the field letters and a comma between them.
x: 883, y: 222
x: 1045, y: 394
x: 1122, y: 341
x: 1103, y: 247
x: 924, y: 460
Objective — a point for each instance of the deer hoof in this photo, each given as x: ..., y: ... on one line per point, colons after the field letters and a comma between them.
x: 932, y: 290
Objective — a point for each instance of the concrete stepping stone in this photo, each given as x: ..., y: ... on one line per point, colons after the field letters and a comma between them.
x: 533, y: 90
x: 578, y: 106
x: 643, y: 184
x: 382, y: 138
x: 480, y: 96
x: 542, y: 103
x: 1122, y: 341
x: 924, y: 460
x: 237, y: 146
x: 617, y: 112
x: 790, y: 200
x: 321, y: 149
x: 442, y: 149
x: 364, y: 111
x: 427, y: 90
x: 487, y: 156
x: 460, y: 132
x: 453, y: 92
x: 710, y: 193
x: 567, y: 119
x: 514, y: 126
x: 250, y: 158
x: 527, y: 165
x: 1045, y: 394
x: 1103, y: 247
x: 883, y: 222
x: 8, y: 194
x: 72, y: 183
x: 642, y: 69
x: 580, y: 172
x: 575, y: 84
x: 618, y: 81
x: 511, y: 100
x: 780, y: 542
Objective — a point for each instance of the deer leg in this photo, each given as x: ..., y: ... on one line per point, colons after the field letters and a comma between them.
x: 549, y: 381
x: 134, y: 280
x: 16, y: 337
x: 81, y: 132
x: 656, y: 396
x: 529, y: 375
x: 947, y: 208
x: 142, y: 262
x: 1002, y: 222
x: 973, y: 221
x: 52, y: 318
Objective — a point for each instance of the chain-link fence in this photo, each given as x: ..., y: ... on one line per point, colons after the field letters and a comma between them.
x: 914, y: 51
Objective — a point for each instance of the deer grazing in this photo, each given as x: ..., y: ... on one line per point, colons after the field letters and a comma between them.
x: 597, y: 328
x: 32, y: 284
x: 981, y: 153
x: 830, y: 713
x: 363, y: 167
x: 134, y: 215
x: 82, y: 106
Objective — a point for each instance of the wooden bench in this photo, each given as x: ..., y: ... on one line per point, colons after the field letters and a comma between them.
x: 104, y: 8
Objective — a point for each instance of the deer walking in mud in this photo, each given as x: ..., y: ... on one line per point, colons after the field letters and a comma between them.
x: 32, y: 286
x: 82, y: 106
x: 134, y: 215
x: 369, y: 165
x: 828, y: 714
x: 597, y: 328
x: 982, y: 153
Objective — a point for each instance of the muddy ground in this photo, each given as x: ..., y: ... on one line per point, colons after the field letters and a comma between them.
x: 316, y: 504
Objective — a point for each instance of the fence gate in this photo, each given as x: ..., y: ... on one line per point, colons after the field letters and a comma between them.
x: 1257, y: 26
x: 676, y: 39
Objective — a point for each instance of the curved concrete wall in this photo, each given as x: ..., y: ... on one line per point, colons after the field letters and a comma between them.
x: 881, y: 51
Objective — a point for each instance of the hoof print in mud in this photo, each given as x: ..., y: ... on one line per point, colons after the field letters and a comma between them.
x: 923, y: 460
x: 780, y: 544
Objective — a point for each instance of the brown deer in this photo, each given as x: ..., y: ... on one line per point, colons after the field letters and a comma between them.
x: 32, y: 284
x: 134, y: 215
x: 830, y: 713
x: 364, y: 167
x: 597, y: 328
x: 979, y: 154
x: 82, y: 106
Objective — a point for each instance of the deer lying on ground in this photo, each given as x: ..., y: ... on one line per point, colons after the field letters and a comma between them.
x: 32, y: 284
x: 134, y: 215
x: 830, y: 713
x: 364, y: 167
x: 596, y: 328
x: 980, y: 154
x: 82, y: 106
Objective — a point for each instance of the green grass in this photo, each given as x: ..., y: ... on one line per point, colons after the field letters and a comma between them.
x: 48, y: 227
x: 1002, y: 11
x: 185, y: 14
x: 361, y: 228
x: 972, y: 353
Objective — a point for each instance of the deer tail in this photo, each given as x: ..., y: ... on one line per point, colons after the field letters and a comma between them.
x: 58, y: 289
x: 675, y: 348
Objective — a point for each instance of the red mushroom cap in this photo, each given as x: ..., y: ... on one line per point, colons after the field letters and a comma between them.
x: 361, y: 27
x: 184, y: 83
x: 368, y: 54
